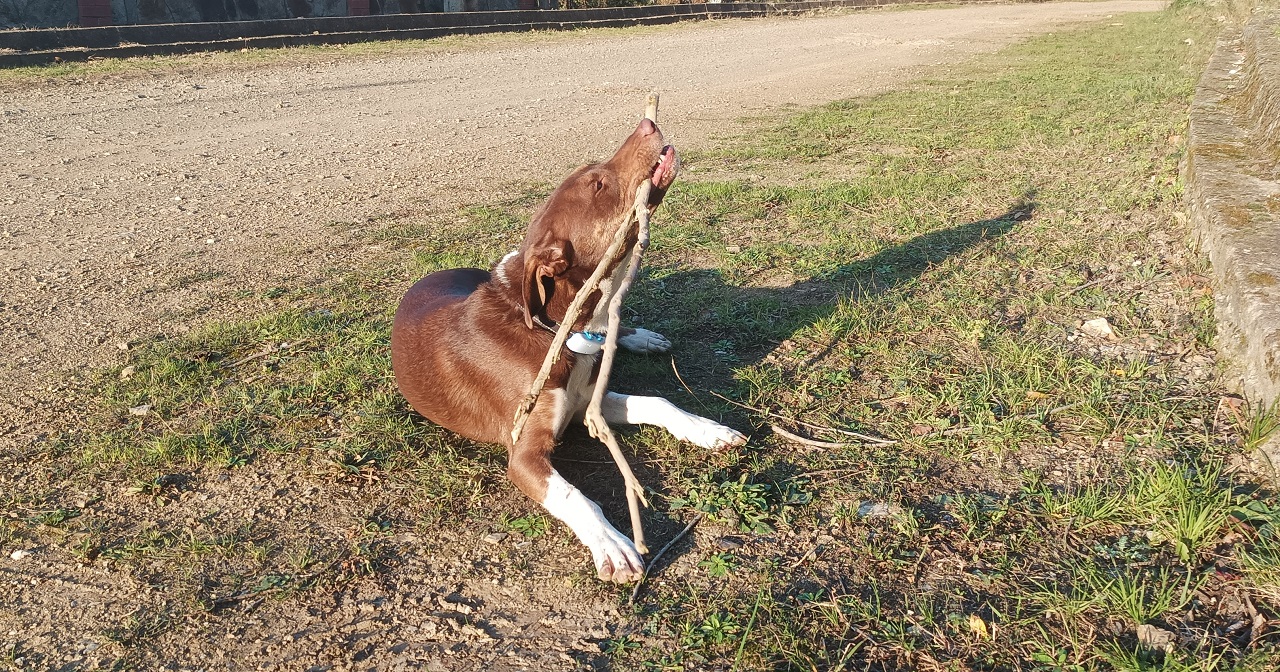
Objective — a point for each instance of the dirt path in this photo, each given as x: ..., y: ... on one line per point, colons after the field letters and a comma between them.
x: 126, y: 204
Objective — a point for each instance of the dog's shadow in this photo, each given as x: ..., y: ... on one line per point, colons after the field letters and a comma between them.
x: 718, y: 327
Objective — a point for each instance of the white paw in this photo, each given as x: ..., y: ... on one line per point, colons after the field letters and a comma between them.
x: 645, y: 342
x: 710, y: 434
x: 616, y: 558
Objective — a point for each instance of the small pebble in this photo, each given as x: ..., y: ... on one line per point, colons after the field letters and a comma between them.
x: 495, y: 538
x: 878, y: 510
x: 1099, y: 328
x: 19, y: 554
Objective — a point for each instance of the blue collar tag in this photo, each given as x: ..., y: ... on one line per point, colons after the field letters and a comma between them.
x: 585, y: 342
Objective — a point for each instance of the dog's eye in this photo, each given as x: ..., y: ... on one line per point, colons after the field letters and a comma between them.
x: 599, y: 185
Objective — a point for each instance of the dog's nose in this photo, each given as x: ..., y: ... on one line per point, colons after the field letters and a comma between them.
x: 647, y: 127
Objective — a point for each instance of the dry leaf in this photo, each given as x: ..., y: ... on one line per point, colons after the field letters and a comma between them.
x: 1156, y: 639
x: 920, y: 429
x: 978, y: 626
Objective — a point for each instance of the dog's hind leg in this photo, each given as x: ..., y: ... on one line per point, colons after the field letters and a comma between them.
x: 615, y: 556
x: 636, y: 410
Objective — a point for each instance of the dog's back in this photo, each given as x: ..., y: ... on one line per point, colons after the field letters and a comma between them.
x: 443, y: 343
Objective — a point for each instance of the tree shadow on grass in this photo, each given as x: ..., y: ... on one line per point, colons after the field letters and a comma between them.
x: 756, y: 319
x: 711, y: 321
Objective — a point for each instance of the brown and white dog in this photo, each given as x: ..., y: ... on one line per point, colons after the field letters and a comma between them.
x: 467, y: 343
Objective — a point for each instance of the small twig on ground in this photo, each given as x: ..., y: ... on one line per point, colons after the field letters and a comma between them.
x: 653, y: 564
x: 1024, y: 416
x: 268, y: 352
x: 790, y: 436
x: 1092, y: 283
x: 814, y: 442
x: 864, y: 438
x: 808, y: 554
x: 684, y: 384
x: 295, y: 581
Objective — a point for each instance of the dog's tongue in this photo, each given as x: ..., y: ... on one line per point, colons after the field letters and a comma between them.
x: 665, y: 163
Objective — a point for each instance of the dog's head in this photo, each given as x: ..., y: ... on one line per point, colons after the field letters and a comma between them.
x: 571, y: 232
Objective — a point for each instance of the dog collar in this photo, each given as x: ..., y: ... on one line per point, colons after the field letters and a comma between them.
x: 580, y: 342
x: 585, y: 342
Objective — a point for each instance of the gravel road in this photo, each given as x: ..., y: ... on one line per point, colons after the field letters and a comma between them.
x: 129, y: 203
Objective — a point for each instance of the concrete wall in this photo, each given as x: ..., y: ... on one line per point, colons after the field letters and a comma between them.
x: 1233, y: 195
x: 59, y: 13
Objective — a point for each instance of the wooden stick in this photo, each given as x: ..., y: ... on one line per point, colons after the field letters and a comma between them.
x: 651, y: 107
x: 594, y: 417
x: 806, y: 441
x: 889, y: 442
x: 654, y: 563
x: 865, y: 438
x: 562, y: 334
x: 595, y: 421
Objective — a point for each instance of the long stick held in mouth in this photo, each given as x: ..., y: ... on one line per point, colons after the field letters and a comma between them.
x: 639, y: 215
x: 594, y: 416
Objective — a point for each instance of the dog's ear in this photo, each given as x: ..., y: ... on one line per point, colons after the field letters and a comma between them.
x: 541, y: 267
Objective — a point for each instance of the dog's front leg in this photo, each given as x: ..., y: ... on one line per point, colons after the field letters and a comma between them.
x: 636, y: 410
x: 615, y: 556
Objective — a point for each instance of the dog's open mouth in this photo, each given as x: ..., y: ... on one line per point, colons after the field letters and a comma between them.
x: 664, y: 169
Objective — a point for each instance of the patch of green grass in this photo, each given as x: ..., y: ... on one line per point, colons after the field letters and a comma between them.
x: 56, y: 517
x: 1139, y: 596
x: 750, y: 507
x: 1259, y: 426
x: 1090, y: 506
x: 1139, y: 659
x: 137, y: 628
x: 1185, y: 509
x: 532, y: 526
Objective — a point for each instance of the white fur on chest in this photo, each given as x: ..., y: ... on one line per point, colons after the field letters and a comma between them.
x: 571, y: 402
